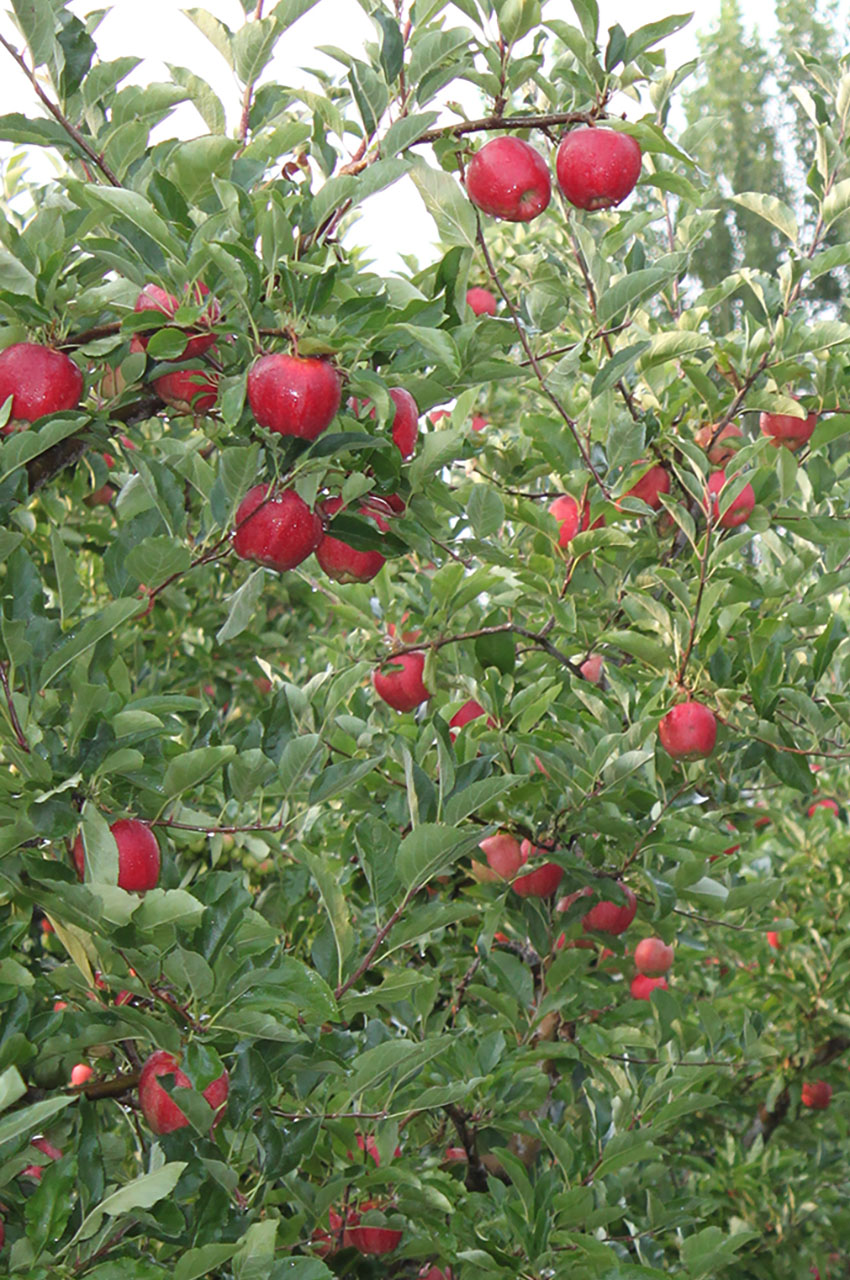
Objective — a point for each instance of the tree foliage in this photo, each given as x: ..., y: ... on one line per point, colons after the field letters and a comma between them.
x: 405, y: 1041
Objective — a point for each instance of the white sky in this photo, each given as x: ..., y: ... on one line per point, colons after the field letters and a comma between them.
x: 147, y: 28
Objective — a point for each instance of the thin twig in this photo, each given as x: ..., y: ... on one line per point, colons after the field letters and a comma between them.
x: 379, y: 938
x: 13, y: 715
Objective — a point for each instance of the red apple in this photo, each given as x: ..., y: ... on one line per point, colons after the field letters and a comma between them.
x: 48, y: 1149
x: 816, y: 1094
x: 571, y: 520
x: 611, y: 917
x: 592, y: 668
x: 398, y: 681
x: 278, y: 531
x: 653, y: 956
x: 543, y: 881
x: 478, y: 423
x: 294, y: 396
x: 481, y: 301
x: 159, y: 1108
x: 596, y: 167
x: 651, y: 485
x: 508, y: 179
x: 773, y: 940
x: 688, y: 731
x: 643, y: 986
x: 80, y: 1073
x: 471, y: 710
x: 373, y: 1241
x: 740, y: 510
x: 824, y: 803
x: 717, y: 452
x: 152, y: 298
x: 345, y: 563
x: 138, y: 855
x: 188, y: 390
x: 405, y: 423
x: 504, y: 855
x: 39, y: 380
x: 785, y: 429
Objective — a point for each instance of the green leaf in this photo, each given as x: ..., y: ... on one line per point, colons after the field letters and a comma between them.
x: 447, y: 204
x: 33, y: 1118
x: 191, y: 767
x: 629, y: 290
x: 37, y: 21
x: 252, y: 46
x: 70, y: 588
x: 137, y: 210
x: 203, y: 1261
x: 469, y: 800
x: 101, y: 850
x: 431, y: 849
x: 12, y: 1087
x: 142, y: 1193
x: 243, y: 605
x: 485, y: 510
x: 837, y: 202
x: 153, y: 560
x: 87, y: 636
x: 219, y: 35
x: 404, y: 132
x: 289, y: 11
x: 772, y: 210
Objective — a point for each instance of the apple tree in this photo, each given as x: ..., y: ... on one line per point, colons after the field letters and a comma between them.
x: 423, y: 814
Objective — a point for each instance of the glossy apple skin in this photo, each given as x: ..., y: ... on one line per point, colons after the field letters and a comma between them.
x: 160, y: 1110
x: 471, y: 710
x: 39, y: 380
x: 653, y: 956
x: 342, y: 562
x: 504, y: 855
x: 611, y: 917
x: 651, y: 485
x: 597, y: 168
x: 508, y: 179
x: 718, y: 453
x: 153, y: 298
x: 405, y: 427
x: 294, y: 396
x: 816, y: 1094
x: 543, y: 881
x: 824, y: 803
x: 398, y: 681
x: 785, y: 429
x: 642, y: 986
x: 138, y: 855
x: 566, y: 511
x: 740, y: 510
x: 279, y: 532
x: 688, y: 731
x: 188, y: 390
x: 481, y: 301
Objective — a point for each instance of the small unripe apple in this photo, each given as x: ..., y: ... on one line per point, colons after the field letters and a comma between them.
x: 785, y: 429
x: 651, y: 485
x: 481, y: 301
x: 824, y: 803
x: 80, y: 1073
x: 39, y: 380
x: 739, y: 511
x: 597, y: 168
x: 398, y: 681
x: 718, y: 453
x: 642, y: 986
x: 138, y: 855
x: 343, y: 562
x: 504, y: 855
x: 543, y: 881
x: 153, y: 298
x: 508, y: 179
x: 294, y: 396
x: 688, y: 731
x: 159, y: 1108
x: 653, y: 956
x: 611, y: 917
x: 188, y: 390
x: 816, y: 1094
x: 277, y: 531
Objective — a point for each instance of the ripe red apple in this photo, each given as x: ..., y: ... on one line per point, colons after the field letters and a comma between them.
x: 345, y: 563
x: 152, y: 298
x: 642, y: 986
x: 294, y: 396
x: 718, y: 453
x: 773, y: 940
x: 592, y: 668
x: 785, y: 429
x: 596, y: 167
x: 405, y: 423
x: 471, y: 710
x: 478, y: 423
x: 138, y: 855
x: 740, y: 510
x: 398, y: 680
x: 611, y: 917
x: 571, y: 520
x: 504, y: 855
x: 434, y: 1273
x: 188, y: 390
x: 373, y: 1241
x: 653, y: 956
x: 651, y: 485
x: 277, y: 531
x: 508, y: 179
x: 824, y: 803
x: 543, y: 881
x: 481, y: 301
x: 816, y: 1094
x: 159, y: 1108
x: 48, y: 1149
x: 688, y: 731
x: 80, y: 1073
x: 39, y: 380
